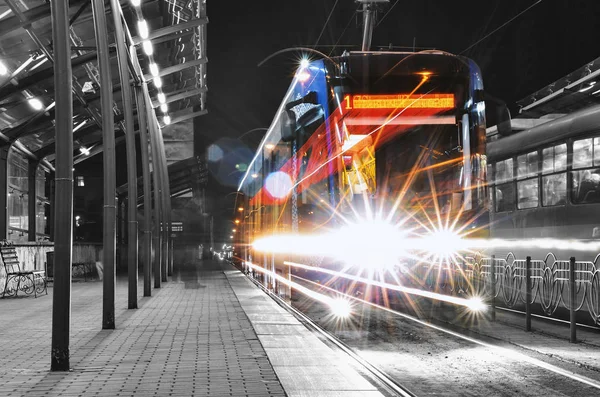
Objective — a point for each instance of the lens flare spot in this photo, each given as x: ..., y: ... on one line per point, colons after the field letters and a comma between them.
x: 215, y: 153
x: 341, y: 308
x: 476, y: 304
x: 278, y: 184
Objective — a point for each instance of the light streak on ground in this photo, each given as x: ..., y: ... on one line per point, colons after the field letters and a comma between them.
x: 336, y: 305
x: 508, y: 353
x: 470, y: 303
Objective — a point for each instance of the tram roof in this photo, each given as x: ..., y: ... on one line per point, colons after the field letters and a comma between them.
x: 25, y: 73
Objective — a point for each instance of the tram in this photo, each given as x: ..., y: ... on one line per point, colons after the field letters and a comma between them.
x: 545, y: 184
x: 384, y: 145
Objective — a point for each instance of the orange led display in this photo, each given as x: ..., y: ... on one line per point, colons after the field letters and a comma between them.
x: 399, y: 101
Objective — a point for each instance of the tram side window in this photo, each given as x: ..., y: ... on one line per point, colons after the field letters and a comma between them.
x: 554, y: 181
x: 504, y: 171
x: 504, y: 197
x: 586, y: 174
x: 527, y: 190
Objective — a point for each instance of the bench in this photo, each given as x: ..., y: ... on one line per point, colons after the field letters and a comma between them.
x: 27, y: 281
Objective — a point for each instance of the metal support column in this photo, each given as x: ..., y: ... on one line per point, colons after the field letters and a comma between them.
x: 108, y: 137
x: 32, y: 167
x: 132, y: 247
x: 147, y: 227
x: 166, y: 206
x: 161, y: 166
x: 156, y: 237
x: 63, y: 226
x: 3, y: 193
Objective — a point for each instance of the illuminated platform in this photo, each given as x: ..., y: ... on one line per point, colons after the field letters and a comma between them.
x: 208, y: 332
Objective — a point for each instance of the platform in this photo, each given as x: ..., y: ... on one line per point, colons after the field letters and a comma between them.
x: 209, y: 331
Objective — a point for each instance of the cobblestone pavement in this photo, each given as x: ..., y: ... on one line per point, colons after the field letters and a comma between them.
x: 191, y: 338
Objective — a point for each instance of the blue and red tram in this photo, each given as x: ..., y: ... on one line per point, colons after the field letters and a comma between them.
x: 377, y: 149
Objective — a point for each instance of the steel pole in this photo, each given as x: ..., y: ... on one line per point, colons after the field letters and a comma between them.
x: 156, y: 237
x: 573, y: 298
x: 528, y: 294
x: 166, y: 206
x: 367, y: 26
x: 108, y: 137
x: 132, y: 224
x: 162, y: 165
x: 147, y: 244
x: 63, y: 226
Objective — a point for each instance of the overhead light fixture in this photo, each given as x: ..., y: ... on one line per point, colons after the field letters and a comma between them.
x: 80, y: 125
x: 35, y: 103
x: 143, y: 29
x: 161, y: 98
x: 157, y: 82
x: 3, y: 69
x: 164, y: 107
x: 590, y: 85
x: 136, y: 2
x: 154, y: 69
x: 85, y: 151
x: 5, y: 13
x: 148, y: 49
x: 167, y: 120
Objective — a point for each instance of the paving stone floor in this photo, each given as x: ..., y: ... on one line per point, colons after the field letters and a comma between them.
x: 191, y: 338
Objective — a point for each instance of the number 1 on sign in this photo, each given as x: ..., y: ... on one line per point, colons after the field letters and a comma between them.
x: 348, y: 102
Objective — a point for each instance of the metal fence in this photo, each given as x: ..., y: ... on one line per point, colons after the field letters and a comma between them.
x: 504, y: 280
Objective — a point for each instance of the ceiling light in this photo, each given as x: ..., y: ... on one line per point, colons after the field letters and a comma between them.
x: 143, y: 29
x: 36, y: 103
x: 590, y: 85
x: 5, y: 13
x: 161, y: 98
x: 85, y: 151
x: 154, y: 69
x: 3, y: 69
x: 148, y: 50
x: 167, y: 120
x: 164, y: 107
x: 157, y: 82
x: 136, y: 2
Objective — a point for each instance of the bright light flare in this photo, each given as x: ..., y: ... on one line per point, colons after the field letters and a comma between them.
x: 3, y: 69
x: 476, y: 304
x: 158, y: 82
x: 143, y: 29
x: 392, y: 287
x: 164, y: 108
x: 148, y: 49
x: 442, y: 242
x: 136, y: 3
x: 36, y: 104
x: 338, y: 308
x: 154, y: 69
x: 341, y: 308
x: 304, y: 62
x: 161, y: 98
x: 167, y: 120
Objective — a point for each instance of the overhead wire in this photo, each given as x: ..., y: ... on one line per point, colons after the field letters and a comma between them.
x: 501, y: 26
x: 326, y: 22
x: 342, y: 34
x: 388, y: 11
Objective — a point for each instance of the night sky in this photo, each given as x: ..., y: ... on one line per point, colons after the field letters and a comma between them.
x: 550, y: 40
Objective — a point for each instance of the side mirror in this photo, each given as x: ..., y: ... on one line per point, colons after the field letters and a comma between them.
x: 288, y: 125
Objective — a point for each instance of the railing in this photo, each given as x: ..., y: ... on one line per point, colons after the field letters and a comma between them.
x: 506, y: 279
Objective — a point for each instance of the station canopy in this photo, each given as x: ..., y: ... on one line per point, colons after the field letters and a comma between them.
x: 177, y: 31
